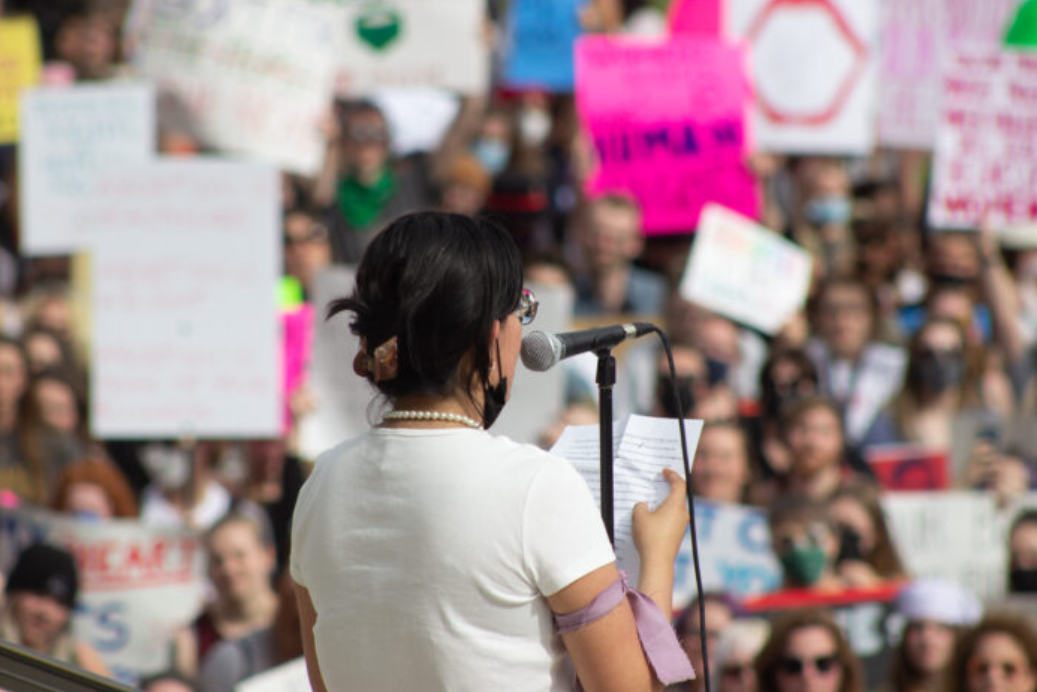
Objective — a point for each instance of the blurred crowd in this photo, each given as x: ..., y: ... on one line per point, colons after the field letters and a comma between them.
x: 909, y: 336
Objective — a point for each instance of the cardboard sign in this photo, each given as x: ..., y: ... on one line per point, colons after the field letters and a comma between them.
x: 398, y: 43
x: 252, y: 78
x: 953, y: 535
x: 19, y: 68
x: 186, y: 332
x: 138, y: 585
x: 67, y: 135
x: 814, y: 67
x: 539, y: 44
x: 908, y: 467
x: 745, y: 271
x: 669, y: 125
x: 735, y: 554
x: 985, y: 159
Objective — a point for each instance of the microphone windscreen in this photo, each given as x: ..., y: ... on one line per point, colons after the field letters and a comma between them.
x: 540, y: 351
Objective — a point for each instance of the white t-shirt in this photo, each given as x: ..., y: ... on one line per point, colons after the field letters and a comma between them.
x: 428, y: 553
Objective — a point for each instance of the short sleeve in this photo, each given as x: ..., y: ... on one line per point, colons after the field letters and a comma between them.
x: 563, y: 535
x: 296, y: 544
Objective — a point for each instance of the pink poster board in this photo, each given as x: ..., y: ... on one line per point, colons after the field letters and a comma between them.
x: 697, y: 17
x: 669, y: 122
x: 298, y: 345
x: 985, y: 163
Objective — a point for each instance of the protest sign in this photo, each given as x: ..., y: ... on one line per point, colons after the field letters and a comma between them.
x: 186, y: 334
x: 734, y: 553
x: 814, y: 68
x: 538, y: 50
x: 985, y: 158
x: 669, y: 125
x: 138, y: 585
x: 397, y: 43
x: 704, y: 17
x: 971, y: 24
x: 297, y: 345
x: 951, y: 535
x: 19, y: 68
x: 908, y: 467
x: 342, y: 397
x: 866, y: 616
x: 67, y: 134
x: 287, y: 677
x: 251, y: 78
x: 745, y: 271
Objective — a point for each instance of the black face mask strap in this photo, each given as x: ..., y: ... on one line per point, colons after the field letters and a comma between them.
x: 494, y: 396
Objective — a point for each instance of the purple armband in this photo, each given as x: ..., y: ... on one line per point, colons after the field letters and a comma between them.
x: 664, y: 653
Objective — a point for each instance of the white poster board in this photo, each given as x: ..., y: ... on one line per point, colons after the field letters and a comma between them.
x: 735, y: 553
x: 186, y: 332
x: 985, y: 158
x: 396, y: 43
x: 66, y: 135
x: 954, y: 535
x: 138, y: 585
x: 745, y: 271
x: 251, y: 78
x: 815, y: 72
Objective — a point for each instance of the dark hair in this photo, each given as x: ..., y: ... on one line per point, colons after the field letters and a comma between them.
x: 437, y: 282
x: 774, y: 650
x: 884, y: 558
x: 1015, y: 625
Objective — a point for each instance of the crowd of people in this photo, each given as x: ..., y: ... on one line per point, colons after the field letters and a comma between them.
x: 909, y: 336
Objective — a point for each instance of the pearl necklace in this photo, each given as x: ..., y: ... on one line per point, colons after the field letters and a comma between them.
x: 433, y: 415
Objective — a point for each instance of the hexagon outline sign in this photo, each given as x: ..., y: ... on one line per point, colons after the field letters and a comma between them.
x: 846, y: 86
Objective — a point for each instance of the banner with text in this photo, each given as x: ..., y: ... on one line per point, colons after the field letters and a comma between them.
x: 252, y: 78
x: 538, y: 48
x: 745, y: 271
x: 186, y: 330
x: 908, y: 67
x: 20, y: 60
x: 67, y: 134
x: 397, y: 43
x: 138, y: 585
x: 985, y: 158
x: 669, y: 124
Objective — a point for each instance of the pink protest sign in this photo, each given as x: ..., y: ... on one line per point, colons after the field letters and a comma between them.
x: 908, y: 65
x: 985, y: 165
x: 298, y: 345
x: 703, y: 17
x: 669, y: 123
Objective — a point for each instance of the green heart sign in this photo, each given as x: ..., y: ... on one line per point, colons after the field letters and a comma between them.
x: 378, y: 28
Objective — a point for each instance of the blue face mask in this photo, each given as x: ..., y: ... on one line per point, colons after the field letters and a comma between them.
x: 824, y: 211
x: 716, y: 371
x: 493, y: 154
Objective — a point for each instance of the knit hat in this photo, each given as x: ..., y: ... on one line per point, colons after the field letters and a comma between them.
x: 45, y: 570
x: 938, y: 600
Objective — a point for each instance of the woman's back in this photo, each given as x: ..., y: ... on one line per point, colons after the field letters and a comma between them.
x: 444, y: 542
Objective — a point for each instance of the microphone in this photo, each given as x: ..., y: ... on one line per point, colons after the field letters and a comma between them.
x: 542, y: 351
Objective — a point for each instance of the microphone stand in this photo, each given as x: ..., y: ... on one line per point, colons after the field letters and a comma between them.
x: 606, y: 379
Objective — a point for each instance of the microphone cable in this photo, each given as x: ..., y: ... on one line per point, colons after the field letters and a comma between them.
x: 691, y: 502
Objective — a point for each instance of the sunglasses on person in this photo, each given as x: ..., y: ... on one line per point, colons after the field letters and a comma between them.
x: 527, y: 308
x: 317, y: 233
x: 790, y: 665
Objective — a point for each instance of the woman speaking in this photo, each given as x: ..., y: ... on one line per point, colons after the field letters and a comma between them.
x: 429, y: 554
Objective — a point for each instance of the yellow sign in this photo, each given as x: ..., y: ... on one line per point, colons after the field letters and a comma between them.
x: 19, y: 68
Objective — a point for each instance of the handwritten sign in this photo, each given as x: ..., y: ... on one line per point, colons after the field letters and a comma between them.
x: 399, y: 43
x: 186, y: 331
x: 539, y: 43
x: 745, y: 271
x: 735, y: 553
x: 985, y: 159
x: 138, y: 585
x: 250, y: 78
x: 814, y: 72
x: 669, y: 125
x: 908, y: 467
x: 977, y: 25
x: 67, y: 134
x: 953, y: 535
x: 19, y: 68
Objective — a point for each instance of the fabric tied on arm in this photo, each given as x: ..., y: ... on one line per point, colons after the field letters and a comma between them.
x: 662, y: 650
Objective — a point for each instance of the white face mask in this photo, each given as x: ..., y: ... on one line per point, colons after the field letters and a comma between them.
x: 169, y: 467
x: 534, y: 126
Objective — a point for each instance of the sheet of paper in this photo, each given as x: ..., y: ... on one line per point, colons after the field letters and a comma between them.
x: 644, y: 446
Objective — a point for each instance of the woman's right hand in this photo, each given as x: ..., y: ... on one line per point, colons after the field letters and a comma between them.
x: 658, y: 533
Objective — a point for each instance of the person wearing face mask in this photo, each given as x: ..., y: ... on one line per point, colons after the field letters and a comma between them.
x: 806, y: 542
x: 430, y: 554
